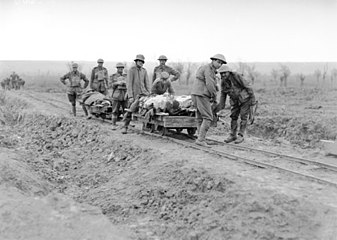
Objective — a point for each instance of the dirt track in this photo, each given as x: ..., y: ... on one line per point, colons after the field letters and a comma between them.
x: 150, y: 188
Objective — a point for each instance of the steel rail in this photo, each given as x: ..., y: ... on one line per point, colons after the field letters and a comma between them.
x: 237, y: 158
x: 296, y: 159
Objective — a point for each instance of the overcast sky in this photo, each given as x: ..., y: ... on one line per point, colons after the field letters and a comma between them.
x: 183, y: 30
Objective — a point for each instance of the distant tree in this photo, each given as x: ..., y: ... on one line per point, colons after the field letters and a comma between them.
x: 317, y: 75
x: 302, y: 78
x: 325, y: 71
x: 242, y: 68
x: 333, y: 76
x: 285, y: 73
x: 252, y: 73
x: 274, y: 74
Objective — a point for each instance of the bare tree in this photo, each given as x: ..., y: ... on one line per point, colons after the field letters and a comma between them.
x: 242, y: 69
x: 285, y: 73
x: 333, y: 76
x: 325, y: 71
x: 252, y: 73
x: 274, y: 74
x: 317, y: 75
x: 302, y: 78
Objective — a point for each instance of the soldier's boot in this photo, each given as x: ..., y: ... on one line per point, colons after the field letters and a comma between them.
x: 231, y: 138
x: 114, y: 120
x: 240, y: 138
x: 85, y: 110
x: 126, y: 125
x: 202, y: 133
x: 74, y: 110
x: 199, y: 122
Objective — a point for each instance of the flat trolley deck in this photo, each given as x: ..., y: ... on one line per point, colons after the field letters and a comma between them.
x: 162, y: 122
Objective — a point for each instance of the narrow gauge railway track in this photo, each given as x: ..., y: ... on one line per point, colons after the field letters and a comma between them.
x: 329, y: 171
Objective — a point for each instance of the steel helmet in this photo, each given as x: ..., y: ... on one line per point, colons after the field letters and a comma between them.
x: 140, y: 57
x: 219, y: 57
x: 162, y: 57
x: 164, y: 75
x: 119, y: 65
x: 100, y: 60
x: 74, y: 65
x: 224, y: 68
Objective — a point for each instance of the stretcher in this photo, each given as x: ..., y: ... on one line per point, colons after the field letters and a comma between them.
x: 162, y: 122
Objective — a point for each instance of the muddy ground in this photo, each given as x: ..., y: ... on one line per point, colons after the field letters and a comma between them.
x: 63, y: 177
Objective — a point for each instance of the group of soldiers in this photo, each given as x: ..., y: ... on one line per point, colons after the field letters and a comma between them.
x: 14, y: 81
x: 125, y: 90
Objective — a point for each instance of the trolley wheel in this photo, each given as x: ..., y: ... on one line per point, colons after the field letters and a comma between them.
x: 191, y: 131
x: 144, y: 127
x: 162, y: 130
x: 179, y: 130
x: 152, y: 127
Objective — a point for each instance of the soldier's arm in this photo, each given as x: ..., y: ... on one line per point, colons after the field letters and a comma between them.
x: 247, y: 85
x: 154, y: 74
x: 129, y: 83
x: 92, y: 77
x: 175, y: 73
x: 63, y: 79
x: 106, y: 76
x: 170, y: 89
x: 210, y: 82
x: 147, y: 82
x: 86, y: 81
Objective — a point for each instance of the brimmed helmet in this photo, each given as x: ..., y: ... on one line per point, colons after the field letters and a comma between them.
x: 140, y: 57
x: 119, y: 65
x: 164, y: 75
x: 162, y: 57
x: 100, y: 60
x: 74, y: 65
x: 219, y: 57
x: 224, y: 68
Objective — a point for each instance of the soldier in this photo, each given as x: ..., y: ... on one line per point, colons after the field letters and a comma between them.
x: 162, y: 67
x: 242, y: 98
x: 137, y: 85
x: 7, y: 82
x: 204, y: 95
x: 74, y: 87
x: 119, y: 75
x: 99, y: 78
x: 13, y: 80
x: 3, y: 85
x: 21, y: 83
x: 118, y: 86
x: 162, y: 84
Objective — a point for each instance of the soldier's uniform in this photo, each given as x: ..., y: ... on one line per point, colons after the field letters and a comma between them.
x: 99, y: 78
x: 7, y: 83
x: 21, y: 83
x: 162, y: 84
x: 74, y: 89
x: 241, y: 97
x: 137, y: 85
x: 3, y: 86
x: 13, y: 80
x: 119, y: 98
x: 164, y: 68
x: 204, y: 93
